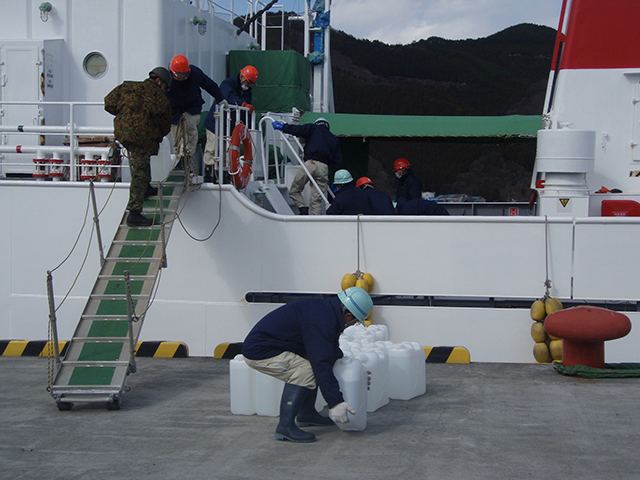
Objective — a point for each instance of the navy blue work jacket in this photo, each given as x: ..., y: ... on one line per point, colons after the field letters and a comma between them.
x: 350, y: 201
x: 309, y: 328
x: 232, y: 92
x: 320, y: 143
x: 409, y: 187
x: 380, y: 202
x: 420, y: 207
x: 186, y: 96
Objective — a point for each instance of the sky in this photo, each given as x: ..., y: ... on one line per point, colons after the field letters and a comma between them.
x: 406, y: 21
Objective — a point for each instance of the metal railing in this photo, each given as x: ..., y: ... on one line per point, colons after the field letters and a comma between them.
x: 57, y: 160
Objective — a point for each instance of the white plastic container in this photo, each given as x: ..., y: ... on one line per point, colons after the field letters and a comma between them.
x: 377, y: 395
x: 241, y: 392
x: 407, y: 377
x: 352, y: 377
x: 267, y: 393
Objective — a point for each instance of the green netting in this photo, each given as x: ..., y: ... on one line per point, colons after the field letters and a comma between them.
x: 611, y: 370
x: 284, y: 78
x: 399, y: 126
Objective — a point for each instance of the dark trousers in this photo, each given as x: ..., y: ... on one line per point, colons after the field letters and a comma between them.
x: 140, y: 167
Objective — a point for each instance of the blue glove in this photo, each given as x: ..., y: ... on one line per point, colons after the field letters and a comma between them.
x: 277, y: 125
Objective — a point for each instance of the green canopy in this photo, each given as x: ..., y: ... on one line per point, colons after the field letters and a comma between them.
x: 406, y: 126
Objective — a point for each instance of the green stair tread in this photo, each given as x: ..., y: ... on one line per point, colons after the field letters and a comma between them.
x: 118, y: 287
x: 153, y: 204
x: 100, y: 352
x: 114, y: 307
x: 140, y: 268
x: 108, y: 328
x: 92, y: 375
x: 137, y: 251
x: 142, y: 235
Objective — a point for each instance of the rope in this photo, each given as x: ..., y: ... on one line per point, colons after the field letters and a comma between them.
x: 358, y: 272
x: 611, y: 370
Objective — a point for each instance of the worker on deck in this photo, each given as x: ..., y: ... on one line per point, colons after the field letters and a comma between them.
x: 409, y: 186
x: 185, y: 95
x: 298, y: 344
x: 321, y: 153
x: 349, y: 199
x: 142, y: 119
x: 236, y: 91
x: 420, y: 206
x: 380, y: 202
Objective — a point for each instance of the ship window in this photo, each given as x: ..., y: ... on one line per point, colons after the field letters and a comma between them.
x: 95, y: 65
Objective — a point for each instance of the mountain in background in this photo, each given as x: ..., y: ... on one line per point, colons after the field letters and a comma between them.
x: 503, y: 74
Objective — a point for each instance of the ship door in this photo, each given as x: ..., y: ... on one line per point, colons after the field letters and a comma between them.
x: 20, y: 81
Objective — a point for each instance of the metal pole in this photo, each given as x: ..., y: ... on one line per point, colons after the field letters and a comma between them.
x: 132, y: 347
x: 164, y: 251
x: 52, y: 318
x: 96, y: 221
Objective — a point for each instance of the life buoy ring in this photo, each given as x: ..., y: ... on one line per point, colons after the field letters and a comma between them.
x: 241, y: 165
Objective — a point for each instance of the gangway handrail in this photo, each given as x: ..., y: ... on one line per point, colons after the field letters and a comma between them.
x: 295, y: 154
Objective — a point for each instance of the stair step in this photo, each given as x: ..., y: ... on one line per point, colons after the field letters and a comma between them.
x: 97, y: 358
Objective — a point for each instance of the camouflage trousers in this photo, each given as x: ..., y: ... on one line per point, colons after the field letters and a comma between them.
x: 140, y: 167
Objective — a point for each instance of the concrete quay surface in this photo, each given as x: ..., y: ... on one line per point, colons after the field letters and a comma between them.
x: 475, y: 421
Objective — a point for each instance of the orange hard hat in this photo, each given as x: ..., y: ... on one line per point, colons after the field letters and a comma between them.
x: 363, y: 181
x: 401, y: 163
x: 250, y: 73
x: 180, y: 66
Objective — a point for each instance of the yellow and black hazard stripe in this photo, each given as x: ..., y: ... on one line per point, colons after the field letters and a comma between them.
x: 227, y: 350
x: 162, y: 349
x: 447, y: 355
x: 43, y: 348
x: 29, y: 348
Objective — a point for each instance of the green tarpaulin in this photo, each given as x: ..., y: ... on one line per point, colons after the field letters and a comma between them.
x: 405, y: 126
x: 283, y: 82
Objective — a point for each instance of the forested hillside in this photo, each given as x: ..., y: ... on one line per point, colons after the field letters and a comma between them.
x: 503, y: 74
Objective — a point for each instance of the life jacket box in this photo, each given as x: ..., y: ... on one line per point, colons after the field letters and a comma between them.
x: 620, y: 208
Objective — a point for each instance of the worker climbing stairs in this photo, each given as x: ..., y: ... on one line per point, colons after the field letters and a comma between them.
x: 101, y: 352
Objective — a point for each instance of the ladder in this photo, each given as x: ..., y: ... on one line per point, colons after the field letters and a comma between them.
x: 101, y: 352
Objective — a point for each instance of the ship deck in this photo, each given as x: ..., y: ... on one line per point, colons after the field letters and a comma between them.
x: 478, y: 420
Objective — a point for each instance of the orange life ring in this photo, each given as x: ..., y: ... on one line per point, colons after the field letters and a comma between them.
x: 241, y: 165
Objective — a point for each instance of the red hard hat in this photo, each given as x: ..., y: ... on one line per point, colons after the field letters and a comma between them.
x: 250, y: 73
x: 180, y: 65
x: 363, y: 181
x: 401, y: 163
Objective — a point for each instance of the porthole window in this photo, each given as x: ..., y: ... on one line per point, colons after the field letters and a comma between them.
x: 95, y: 65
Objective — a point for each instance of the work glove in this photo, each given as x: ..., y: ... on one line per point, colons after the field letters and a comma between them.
x: 249, y: 106
x: 277, y: 125
x: 339, y: 413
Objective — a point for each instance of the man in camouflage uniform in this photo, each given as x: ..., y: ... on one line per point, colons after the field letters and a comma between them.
x: 142, y: 119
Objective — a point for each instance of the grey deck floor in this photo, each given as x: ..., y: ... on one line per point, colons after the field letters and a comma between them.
x: 476, y: 421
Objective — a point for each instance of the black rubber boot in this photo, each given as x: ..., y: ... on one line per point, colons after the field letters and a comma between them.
x: 308, y: 416
x: 303, y: 210
x: 292, y: 399
x: 136, y: 219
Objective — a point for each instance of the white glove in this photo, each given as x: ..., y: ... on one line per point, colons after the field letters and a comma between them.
x: 339, y: 413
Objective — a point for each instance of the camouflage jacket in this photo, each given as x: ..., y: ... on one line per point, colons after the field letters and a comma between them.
x: 143, y: 114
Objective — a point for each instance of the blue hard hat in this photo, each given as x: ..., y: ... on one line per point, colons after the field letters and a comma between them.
x: 322, y: 121
x: 342, y: 176
x: 357, y: 301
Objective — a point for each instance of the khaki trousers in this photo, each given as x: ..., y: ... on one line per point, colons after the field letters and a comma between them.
x: 288, y: 367
x: 320, y: 173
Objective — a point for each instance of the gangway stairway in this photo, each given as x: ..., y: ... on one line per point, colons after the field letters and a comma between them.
x: 100, y: 354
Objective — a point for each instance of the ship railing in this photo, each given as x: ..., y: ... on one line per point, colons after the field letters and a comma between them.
x: 255, y: 14
x: 57, y: 161
x: 227, y: 118
x: 281, y: 150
